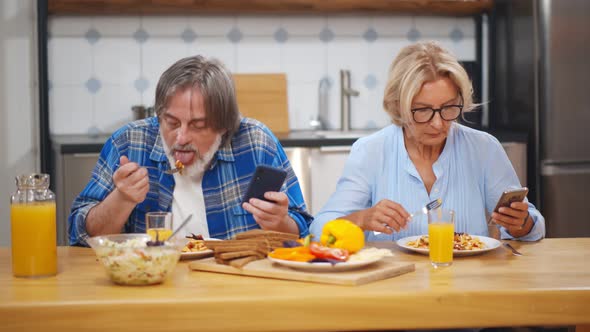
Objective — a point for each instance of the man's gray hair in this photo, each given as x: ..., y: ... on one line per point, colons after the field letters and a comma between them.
x: 213, y: 81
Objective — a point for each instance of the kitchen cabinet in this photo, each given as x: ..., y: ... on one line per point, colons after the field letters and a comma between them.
x: 516, y: 152
x: 183, y: 7
x: 327, y: 164
x: 72, y: 173
x: 300, y: 160
x: 318, y: 170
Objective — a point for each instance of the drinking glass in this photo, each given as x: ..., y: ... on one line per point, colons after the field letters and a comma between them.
x: 159, y: 224
x: 441, y: 228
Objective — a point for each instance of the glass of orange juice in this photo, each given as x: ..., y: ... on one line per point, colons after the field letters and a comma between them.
x: 33, y: 227
x: 441, y: 229
x: 159, y: 225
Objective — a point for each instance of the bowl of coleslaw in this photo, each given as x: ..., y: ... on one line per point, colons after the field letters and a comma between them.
x: 128, y: 259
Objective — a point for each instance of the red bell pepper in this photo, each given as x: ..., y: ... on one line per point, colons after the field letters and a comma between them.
x: 320, y: 251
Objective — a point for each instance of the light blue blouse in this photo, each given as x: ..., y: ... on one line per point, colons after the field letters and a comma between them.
x: 471, y: 173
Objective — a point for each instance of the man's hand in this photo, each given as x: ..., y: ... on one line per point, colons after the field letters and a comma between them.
x: 272, y: 215
x: 131, y: 181
x: 385, y: 217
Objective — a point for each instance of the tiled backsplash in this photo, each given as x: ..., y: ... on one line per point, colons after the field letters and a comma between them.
x: 100, y: 66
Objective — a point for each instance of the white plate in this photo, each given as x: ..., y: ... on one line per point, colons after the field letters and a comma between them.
x: 324, y: 267
x: 490, y: 243
x: 198, y: 254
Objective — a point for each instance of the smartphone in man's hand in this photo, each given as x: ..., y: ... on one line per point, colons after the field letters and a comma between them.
x: 265, y: 178
x: 510, y: 196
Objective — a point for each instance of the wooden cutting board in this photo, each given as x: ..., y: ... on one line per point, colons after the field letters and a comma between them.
x: 383, y: 269
x: 264, y: 98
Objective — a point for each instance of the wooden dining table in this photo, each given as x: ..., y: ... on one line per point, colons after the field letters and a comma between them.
x: 549, y: 285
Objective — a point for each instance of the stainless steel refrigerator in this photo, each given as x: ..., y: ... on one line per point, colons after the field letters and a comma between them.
x: 542, y: 84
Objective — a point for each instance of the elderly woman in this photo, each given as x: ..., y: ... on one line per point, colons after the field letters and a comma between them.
x: 424, y: 155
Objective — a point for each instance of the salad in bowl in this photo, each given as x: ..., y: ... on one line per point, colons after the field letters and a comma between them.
x: 133, y: 259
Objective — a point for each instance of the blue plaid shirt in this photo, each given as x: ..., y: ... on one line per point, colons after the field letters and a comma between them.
x: 223, y: 184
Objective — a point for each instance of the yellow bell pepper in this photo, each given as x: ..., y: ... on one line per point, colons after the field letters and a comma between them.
x: 344, y: 234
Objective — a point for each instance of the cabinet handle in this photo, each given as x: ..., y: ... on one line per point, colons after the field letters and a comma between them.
x: 335, y: 148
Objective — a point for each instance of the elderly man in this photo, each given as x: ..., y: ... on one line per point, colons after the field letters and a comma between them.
x: 198, y: 124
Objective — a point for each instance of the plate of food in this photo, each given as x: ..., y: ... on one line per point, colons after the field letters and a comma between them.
x: 363, y: 258
x: 195, y: 248
x: 464, y: 244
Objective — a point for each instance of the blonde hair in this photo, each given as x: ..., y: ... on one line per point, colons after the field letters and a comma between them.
x: 415, y: 65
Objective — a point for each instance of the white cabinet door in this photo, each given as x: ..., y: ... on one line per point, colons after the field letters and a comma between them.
x: 299, y: 159
x: 326, y: 164
x: 73, y: 172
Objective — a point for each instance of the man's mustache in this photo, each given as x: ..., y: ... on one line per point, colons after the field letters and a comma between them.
x: 186, y: 147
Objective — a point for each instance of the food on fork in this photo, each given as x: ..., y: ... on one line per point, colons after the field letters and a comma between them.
x: 461, y: 241
x: 179, y: 165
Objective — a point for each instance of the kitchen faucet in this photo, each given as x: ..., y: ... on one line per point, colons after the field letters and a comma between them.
x: 319, y: 122
x: 345, y: 93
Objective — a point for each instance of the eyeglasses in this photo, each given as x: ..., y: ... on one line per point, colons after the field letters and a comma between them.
x: 447, y: 113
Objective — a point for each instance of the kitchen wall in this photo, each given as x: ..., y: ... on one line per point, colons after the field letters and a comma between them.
x: 100, y: 66
x: 18, y: 101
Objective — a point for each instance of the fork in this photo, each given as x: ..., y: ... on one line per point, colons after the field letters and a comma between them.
x: 514, y: 251
x: 430, y: 206
x: 172, y: 170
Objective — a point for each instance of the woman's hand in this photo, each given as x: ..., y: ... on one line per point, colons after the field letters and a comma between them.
x: 385, y: 217
x: 514, y: 218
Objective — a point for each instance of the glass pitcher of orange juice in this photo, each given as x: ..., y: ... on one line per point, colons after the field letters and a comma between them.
x: 33, y: 228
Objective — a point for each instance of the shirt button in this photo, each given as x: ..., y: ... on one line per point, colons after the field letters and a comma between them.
x: 435, y: 190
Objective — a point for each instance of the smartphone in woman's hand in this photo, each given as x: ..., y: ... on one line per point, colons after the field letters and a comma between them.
x: 508, y: 197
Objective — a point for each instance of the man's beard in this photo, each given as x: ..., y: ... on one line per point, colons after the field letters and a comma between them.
x: 202, y: 161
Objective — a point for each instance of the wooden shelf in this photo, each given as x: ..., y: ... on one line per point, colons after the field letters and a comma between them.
x: 210, y: 7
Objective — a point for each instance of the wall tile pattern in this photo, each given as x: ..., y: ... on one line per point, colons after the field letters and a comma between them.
x: 100, y: 66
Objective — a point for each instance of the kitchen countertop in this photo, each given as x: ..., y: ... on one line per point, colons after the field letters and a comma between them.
x: 67, y: 144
